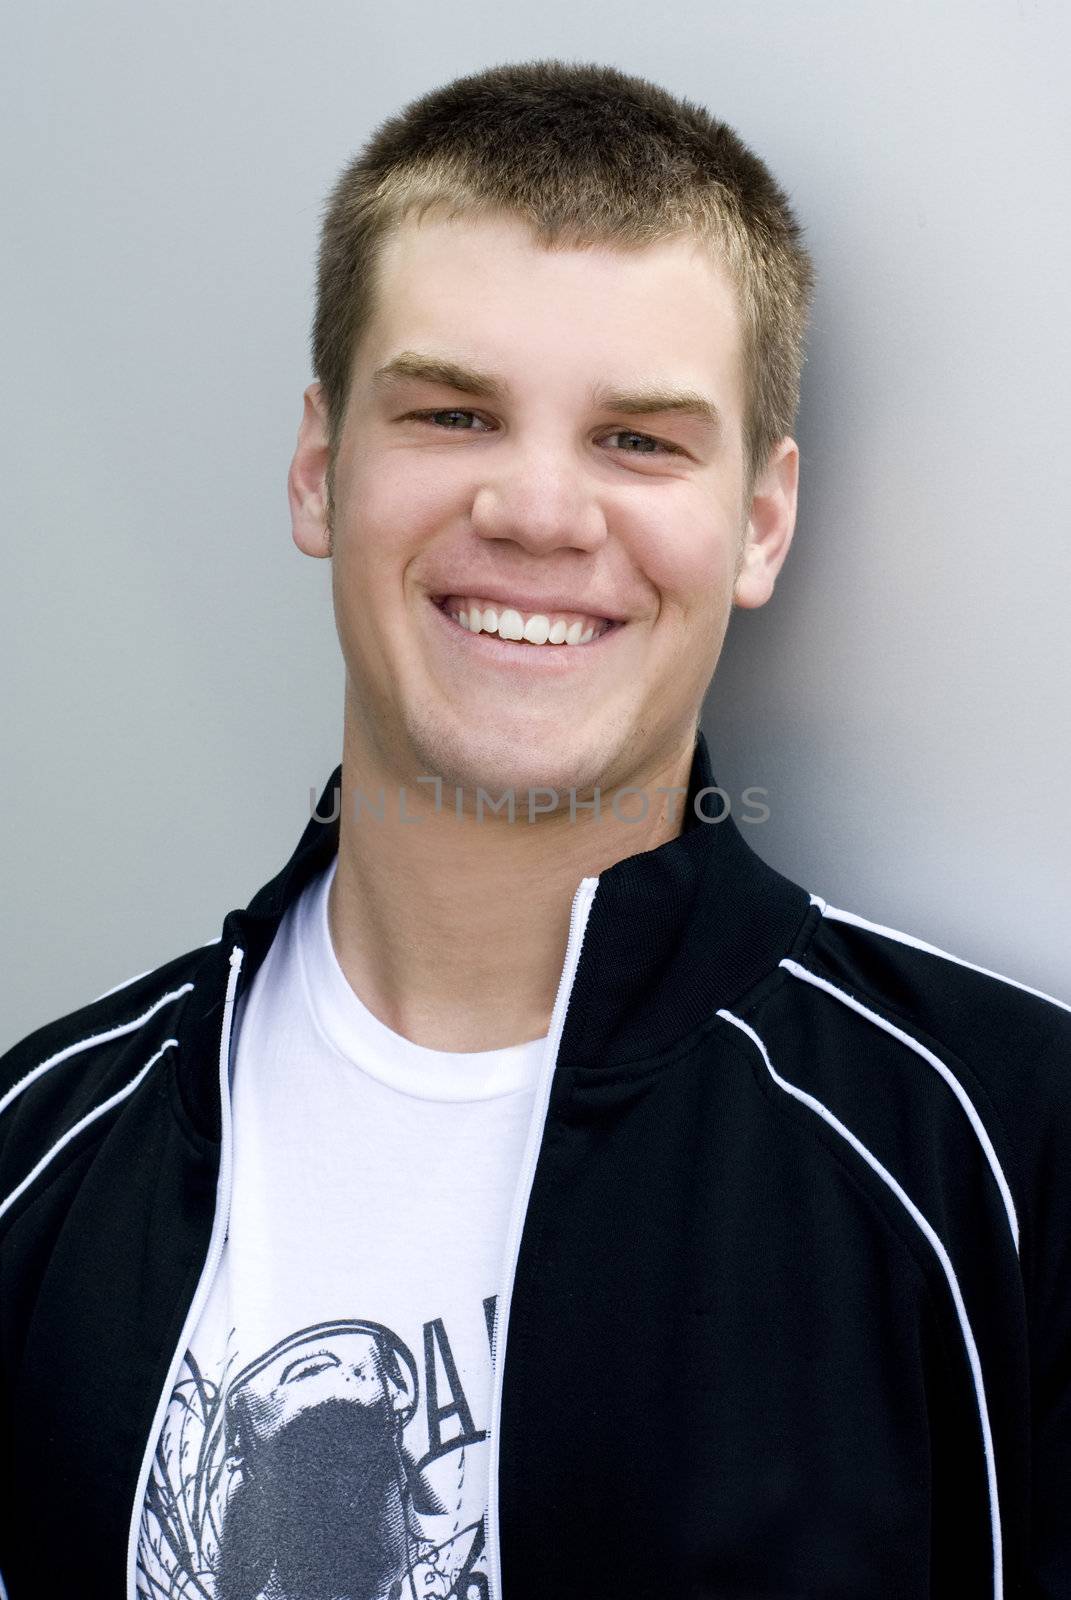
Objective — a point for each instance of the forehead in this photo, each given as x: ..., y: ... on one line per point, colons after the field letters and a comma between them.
x: 663, y: 313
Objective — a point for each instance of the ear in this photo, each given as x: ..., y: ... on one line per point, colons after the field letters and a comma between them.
x: 307, y: 480
x: 771, y: 522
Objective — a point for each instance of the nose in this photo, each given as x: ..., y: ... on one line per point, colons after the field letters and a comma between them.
x: 540, y: 501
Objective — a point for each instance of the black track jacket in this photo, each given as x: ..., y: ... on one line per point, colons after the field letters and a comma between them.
x: 786, y: 1305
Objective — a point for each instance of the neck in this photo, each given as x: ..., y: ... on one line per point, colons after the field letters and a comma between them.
x: 452, y: 930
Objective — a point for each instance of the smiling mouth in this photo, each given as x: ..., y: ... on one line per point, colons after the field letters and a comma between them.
x: 539, y: 630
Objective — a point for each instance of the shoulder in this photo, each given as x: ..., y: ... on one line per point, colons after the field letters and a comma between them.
x: 939, y: 1071
x: 69, y: 1071
x: 860, y: 1006
x: 978, y: 1013
x: 1000, y: 1044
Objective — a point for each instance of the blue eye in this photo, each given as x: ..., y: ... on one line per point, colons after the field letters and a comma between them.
x: 450, y: 411
x: 627, y: 433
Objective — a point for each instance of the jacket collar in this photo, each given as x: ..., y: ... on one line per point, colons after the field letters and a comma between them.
x: 673, y: 934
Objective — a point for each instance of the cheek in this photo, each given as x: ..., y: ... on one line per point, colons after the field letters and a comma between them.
x: 383, y: 523
x: 691, y: 566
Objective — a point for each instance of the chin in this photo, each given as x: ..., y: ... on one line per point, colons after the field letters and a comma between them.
x: 517, y: 759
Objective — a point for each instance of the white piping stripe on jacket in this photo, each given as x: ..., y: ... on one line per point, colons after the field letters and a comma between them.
x: 939, y: 1066
x: 213, y: 1256
x: 835, y: 915
x: 949, y: 1271
x: 86, y: 1044
x: 72, y: 1133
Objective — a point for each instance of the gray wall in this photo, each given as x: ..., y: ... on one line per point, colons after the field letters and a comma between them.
x: 174, y: 683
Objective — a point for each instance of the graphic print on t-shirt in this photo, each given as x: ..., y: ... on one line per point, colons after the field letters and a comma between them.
x: 296, y: 1477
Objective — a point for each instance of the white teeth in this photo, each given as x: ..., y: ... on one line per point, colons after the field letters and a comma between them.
x: 538, y: 629
x: 510, y: 625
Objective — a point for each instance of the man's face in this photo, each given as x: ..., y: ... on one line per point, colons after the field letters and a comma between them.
x: 549, y: 495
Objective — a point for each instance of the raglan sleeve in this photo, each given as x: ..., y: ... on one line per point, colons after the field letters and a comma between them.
x: 1047, y: 1275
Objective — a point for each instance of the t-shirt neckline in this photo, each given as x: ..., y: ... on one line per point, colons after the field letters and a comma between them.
x: 357, y: 1034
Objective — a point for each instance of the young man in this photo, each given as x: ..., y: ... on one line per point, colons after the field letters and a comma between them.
x: 532, y: 1192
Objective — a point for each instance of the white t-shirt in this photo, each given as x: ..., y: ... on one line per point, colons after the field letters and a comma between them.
x: 327, y: 1435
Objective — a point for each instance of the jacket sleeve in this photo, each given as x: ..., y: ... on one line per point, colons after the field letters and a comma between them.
x: 1047, y: 1274
x: 12, y: 1068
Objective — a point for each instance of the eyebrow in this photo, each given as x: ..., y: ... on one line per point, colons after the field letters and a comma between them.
x: 646, y: 401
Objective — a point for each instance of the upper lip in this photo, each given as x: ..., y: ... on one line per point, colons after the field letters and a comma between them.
x: 541, y: 604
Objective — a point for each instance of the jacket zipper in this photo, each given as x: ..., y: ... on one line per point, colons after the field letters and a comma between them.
x: 578, y: 920
x: 208, y: 1271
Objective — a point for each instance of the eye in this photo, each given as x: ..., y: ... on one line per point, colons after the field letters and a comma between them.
x: 308, y: 1366
x: 434, y: 417
x: 647, y: 440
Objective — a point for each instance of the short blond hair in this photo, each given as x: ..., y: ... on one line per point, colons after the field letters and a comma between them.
x: 586, y: 155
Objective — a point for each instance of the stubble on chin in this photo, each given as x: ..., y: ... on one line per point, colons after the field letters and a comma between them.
x: 483, y: 759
